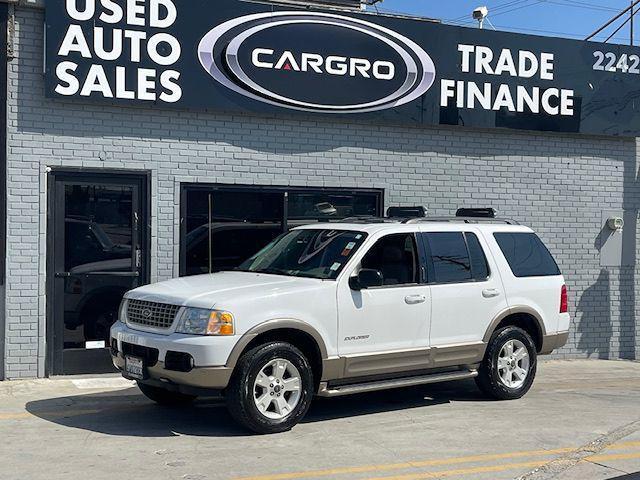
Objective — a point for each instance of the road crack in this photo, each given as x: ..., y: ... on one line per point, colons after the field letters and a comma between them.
x: 571, y: 459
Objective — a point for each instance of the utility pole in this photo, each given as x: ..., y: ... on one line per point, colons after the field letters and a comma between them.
x: 631, y: 23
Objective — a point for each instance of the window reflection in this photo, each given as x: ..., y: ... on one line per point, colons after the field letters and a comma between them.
x: 224, y: 226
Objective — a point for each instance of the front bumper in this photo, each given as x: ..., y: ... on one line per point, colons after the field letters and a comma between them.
x: 210, y: 355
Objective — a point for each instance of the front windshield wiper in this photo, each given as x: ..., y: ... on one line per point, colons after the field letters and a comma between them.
x: 274, y: 271
x: 270, y: 271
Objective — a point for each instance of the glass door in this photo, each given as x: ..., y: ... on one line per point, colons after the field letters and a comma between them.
x: 99, y: 254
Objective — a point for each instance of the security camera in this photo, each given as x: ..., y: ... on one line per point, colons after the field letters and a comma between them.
x: 615, y: 223
x: 480, y: 13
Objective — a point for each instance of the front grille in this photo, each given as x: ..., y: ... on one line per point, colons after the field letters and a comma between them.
x: 151, y: 314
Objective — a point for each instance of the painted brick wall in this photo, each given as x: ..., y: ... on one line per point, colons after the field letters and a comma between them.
x: 559, y: 185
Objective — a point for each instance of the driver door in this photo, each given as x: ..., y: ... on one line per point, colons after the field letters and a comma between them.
x: 386, y: 329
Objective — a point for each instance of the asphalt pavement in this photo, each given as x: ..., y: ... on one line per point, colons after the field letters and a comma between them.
x: 580, y: 421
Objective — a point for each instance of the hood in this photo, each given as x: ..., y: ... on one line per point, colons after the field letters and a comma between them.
x: 207, y: 291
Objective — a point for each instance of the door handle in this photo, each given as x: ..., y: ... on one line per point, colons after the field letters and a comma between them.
x: 415, y: 299
x: 490, y: 292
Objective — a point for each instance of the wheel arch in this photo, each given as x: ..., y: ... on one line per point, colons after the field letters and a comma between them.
x: 523, y: 317
x: 298, y: 333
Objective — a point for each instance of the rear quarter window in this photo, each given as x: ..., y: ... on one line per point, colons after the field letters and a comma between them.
x: 527, y: 255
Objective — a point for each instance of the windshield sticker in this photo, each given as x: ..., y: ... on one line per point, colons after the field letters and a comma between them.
x: 336, y: 266
x: 347, y: 250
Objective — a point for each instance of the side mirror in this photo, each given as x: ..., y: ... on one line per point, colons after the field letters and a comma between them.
x: 366, y: 278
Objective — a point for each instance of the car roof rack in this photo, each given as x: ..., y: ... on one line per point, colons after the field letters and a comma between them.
x: 367, y: 219
x: 506, y: 221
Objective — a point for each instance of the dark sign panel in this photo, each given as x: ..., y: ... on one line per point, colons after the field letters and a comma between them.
x: 235, y: 55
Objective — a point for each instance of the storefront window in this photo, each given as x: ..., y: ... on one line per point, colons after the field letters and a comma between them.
x: 224, y: 226
x: 326, y: 206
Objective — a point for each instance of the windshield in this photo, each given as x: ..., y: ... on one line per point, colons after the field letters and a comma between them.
x: 307, y: 253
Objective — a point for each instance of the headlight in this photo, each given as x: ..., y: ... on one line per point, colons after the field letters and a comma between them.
x: 200, y: 321
x: 122, y: 311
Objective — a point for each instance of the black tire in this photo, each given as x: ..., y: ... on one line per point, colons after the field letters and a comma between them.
x: 165, y: 397
x: 240, y: 392
x: 489, y: 380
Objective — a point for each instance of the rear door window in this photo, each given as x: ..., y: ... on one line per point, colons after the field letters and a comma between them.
x: 527, y: 255
x: 455, y: 257
x: 450, y: 262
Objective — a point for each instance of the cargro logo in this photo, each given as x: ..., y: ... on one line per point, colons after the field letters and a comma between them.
x: 316, y: 62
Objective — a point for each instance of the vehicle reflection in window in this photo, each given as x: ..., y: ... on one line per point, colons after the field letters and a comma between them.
x: 231, y: 244
x: 309, y: 253
x: 98, y: 256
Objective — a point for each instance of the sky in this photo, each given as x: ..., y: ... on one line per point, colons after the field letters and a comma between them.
x: 560, y: 18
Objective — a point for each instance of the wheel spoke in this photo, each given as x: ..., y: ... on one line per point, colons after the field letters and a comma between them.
x: 521, y: 373
x: 263, y: 380
x: 279, y: 369
x: 263, y: 402
x: 509, y: 348
x: 502, y: 363
x: 291, y: 384
x: 282, y: 407
x: 521, y: 353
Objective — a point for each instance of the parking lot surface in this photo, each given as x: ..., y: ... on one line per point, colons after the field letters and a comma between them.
x: 581, y: 420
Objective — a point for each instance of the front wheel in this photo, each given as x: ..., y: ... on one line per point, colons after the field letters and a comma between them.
x: 271, y: 389
x: 509, y: 366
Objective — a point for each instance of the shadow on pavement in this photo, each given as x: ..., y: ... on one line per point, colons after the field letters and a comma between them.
x: 129, y: 413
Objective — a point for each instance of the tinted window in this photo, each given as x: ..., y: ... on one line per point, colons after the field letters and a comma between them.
x: 479, y: 266
x: 396, y: 257
x: 527, y: 255
x: 450, y: 259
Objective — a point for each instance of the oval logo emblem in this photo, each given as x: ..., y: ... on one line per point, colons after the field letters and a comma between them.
x: 316, y: 62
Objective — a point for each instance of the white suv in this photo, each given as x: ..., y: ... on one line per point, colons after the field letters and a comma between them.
x: 340, y: 308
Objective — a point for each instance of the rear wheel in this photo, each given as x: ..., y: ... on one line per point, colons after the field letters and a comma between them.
x: 165, y: 397
x: 271, y: 389
x: 509, y: 366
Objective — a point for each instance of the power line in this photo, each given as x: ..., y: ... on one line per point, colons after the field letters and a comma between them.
x: 585, y: 5
x: 538, y: 2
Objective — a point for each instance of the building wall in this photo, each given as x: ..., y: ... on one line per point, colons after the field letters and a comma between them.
x: 559, y: 185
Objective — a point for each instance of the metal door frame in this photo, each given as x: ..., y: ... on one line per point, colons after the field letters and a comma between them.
x: 55, y: 244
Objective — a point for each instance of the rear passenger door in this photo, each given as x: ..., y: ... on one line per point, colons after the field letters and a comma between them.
x: 466, y: 288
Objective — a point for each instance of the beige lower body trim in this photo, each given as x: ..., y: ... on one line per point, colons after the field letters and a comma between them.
x: 553, y: 342
x: 214, y: 378
x: 400, y: 361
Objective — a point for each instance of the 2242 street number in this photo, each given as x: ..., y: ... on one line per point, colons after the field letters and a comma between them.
x: 609, y: 62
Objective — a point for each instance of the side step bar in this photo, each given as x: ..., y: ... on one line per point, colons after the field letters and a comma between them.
x: 327, y: 391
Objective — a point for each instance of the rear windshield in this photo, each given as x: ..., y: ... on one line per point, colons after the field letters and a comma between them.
x: 527, y: 255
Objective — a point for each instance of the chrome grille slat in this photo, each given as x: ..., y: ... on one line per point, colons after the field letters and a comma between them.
x: 161, y: 315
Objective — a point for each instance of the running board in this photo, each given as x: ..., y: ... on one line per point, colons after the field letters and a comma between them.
x: 326, y: 391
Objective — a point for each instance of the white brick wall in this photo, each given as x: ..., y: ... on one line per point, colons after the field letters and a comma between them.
x: 556, y: 184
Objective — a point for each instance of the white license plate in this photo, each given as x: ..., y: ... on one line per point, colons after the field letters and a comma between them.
x: 134, y: 367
